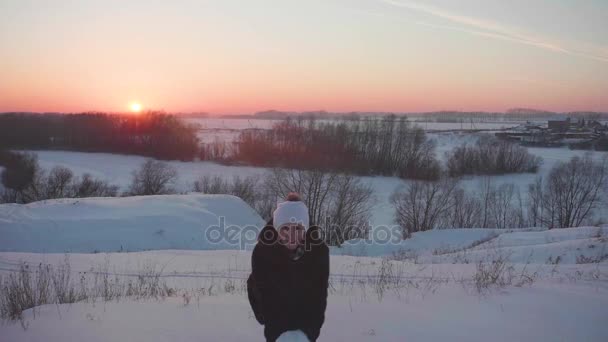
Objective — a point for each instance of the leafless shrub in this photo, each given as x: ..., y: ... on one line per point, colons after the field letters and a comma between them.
x: 36, y: 184
x: 388, y: 145
x: 153, y: 178
x: 148, y: 284
x: 496, y: 274
x: 91, y: 187
x: 420, y: 205
x: 466, y: 210
x: 340, y: 204
x: 65, y: 291
x: 490, y: 156
x: 389, y: 277
x: 25, y: 289
x: 571, y: 193
x: 250, y: 189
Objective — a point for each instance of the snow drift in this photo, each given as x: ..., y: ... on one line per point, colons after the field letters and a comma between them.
x: 125, y: 224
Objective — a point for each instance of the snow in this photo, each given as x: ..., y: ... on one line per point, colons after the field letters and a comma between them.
x: 432, y: 296
x: 118, y: 169
x: 433, y: 240
x: 543, y: 313
x: 124, y: 224
x: 566, y: 302
x: 473, y: 245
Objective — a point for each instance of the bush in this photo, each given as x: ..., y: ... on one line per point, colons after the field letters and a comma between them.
x: 491, y: 156
x: 153, y: 178
x: 152, y: 134
x: 39, y: 184
x: 340, y: 204
x: 249, y: 189
x: 423, y: 205
x: 19, y: 169
x: 570, y: 194
x: 388, y: 146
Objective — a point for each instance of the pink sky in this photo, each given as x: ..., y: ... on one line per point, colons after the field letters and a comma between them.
x: 357, y: 55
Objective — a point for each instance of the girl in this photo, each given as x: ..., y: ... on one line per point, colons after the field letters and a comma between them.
x: 287, y: 287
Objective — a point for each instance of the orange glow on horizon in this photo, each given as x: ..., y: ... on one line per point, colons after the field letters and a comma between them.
x: 135, y: 107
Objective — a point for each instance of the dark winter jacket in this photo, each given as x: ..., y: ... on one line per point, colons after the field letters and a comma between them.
x: 287, y: 294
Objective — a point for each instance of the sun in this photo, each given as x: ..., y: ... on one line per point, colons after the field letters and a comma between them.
x: 135, y: 107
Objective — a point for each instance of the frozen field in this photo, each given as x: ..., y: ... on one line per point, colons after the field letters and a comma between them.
x: 117, y: 169
x: 424, y: 297
x: 216, y: 129
x: 239, y: 124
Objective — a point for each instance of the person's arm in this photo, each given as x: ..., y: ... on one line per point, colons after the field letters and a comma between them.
x: 318, y: 296
x: 270, y: 295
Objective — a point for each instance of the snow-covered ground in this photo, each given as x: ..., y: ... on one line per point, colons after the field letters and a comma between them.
x: 551, y: 285
x: 545, y: 312
x: 418, y: 302
x: 239, y: 124
x: 126, y: 223
x: 216, y: 129
x: 117, y: 169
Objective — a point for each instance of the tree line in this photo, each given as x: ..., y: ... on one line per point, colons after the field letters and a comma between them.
x: 569, y: 196
x: 388, y: 146
x: 151, y: 134
x: 342, y: 204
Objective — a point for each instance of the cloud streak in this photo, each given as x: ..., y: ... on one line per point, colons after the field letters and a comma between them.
x: 488, y: 29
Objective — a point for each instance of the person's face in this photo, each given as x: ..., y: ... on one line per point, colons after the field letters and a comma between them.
x: 291, y: 236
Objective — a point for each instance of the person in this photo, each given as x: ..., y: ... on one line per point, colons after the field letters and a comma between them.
x: 287, y: 288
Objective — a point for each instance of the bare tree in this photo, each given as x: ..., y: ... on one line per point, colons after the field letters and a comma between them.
x: 489, y: 156
x: 421, y: 205
x: 535, y: 203
x: 340, y: 204
x: 466, y: 210
x: 153, y: 178
x: 58, y: 183
x: 249, y: 189
x: 573, y: 190
x: 91, y: 187
x: 501, y: 206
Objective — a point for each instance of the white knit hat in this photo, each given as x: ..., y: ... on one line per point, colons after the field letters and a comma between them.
x: 290, y: 212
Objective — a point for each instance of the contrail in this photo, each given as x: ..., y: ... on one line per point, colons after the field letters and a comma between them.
x: 485, y: 28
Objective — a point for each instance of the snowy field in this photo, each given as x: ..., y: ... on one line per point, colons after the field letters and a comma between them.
x: 239, y: 124
x: 90, y: 225
x: 216, y: 129
x: 117, y: 169
x: 457, y: 285
x: 371, y: 299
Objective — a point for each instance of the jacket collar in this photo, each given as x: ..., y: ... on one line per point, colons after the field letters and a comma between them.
x: 269, y: 235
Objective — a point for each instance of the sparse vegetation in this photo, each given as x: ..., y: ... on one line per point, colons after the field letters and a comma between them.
x: 340, y: 204
x: 153, y: 178
x: 491, y: 156
x: 570, y: 194
x: 151, y: 134
x: 25, y: 181
x: 389, y: 146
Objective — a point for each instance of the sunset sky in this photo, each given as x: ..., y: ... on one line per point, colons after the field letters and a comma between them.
x: 229, y: 56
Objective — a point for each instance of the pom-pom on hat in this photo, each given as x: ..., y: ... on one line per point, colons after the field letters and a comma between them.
x: 292, y: 211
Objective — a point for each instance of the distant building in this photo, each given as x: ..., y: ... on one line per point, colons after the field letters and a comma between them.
x: 559, y: 125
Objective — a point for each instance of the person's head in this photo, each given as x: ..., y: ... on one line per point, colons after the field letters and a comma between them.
x: 291, y: 221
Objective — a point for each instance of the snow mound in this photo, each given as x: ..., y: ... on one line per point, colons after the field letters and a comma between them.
x: 127, y: 224
x: 432, y: 241
x: 567, y: 245
x: 293, y: 336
